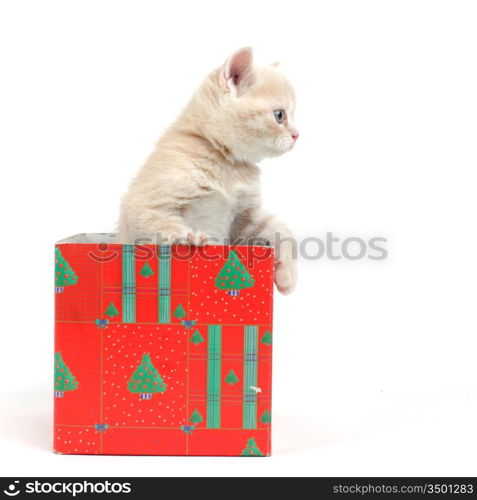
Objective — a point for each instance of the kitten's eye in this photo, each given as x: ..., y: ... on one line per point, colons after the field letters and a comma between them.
x: 280, y: 115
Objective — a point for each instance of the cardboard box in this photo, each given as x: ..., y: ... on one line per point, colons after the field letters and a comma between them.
x: 162, y: 350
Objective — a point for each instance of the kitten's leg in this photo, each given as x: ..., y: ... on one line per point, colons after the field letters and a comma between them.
x: 157, y: 227
x: 256, y: 223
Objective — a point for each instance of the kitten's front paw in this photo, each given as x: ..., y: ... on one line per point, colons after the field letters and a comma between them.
x: 178, y: 236
x: 188, y: 237
x: 285, y: 276
x: 197, y: 239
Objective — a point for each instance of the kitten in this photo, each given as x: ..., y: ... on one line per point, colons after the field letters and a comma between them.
x: 201, y: 181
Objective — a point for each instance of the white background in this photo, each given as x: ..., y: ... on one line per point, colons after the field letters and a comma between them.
x: 375, y: 362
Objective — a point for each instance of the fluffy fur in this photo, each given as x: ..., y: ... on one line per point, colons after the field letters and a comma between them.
x: 201, y: 181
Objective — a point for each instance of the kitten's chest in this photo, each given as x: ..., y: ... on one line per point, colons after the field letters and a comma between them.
x: 214, y: 214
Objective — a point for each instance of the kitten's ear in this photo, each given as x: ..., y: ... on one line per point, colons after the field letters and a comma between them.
x: 237, y: 73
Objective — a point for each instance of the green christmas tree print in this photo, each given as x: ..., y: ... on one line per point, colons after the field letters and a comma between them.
x: 64, y: 379
x: 146, y: 270
x: 252, y: 450
x: 111, y: 310
x: 231, y: 378
x: 266, y: 417
x: 64, y: 274
x: 197, y: 338
x: 179, y: 312
x: 146, y: 379
x: 267, y: 338
x: 196, y: 417
x: 234, y: 277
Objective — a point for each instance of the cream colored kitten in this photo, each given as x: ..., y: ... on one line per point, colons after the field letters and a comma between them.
x: 201, y: 181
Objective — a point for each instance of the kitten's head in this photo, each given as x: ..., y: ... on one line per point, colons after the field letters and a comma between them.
x: 250, y: 109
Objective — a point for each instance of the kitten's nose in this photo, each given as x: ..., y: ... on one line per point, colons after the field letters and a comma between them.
x: 295, y: 136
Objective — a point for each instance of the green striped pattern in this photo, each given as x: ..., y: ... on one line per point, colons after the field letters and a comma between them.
x: 129, y: 285
x: 214, y: 352
x: 164, y: 284
x: 250, y: 377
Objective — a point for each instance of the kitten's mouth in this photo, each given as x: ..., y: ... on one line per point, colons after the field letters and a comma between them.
x: 284, y: 146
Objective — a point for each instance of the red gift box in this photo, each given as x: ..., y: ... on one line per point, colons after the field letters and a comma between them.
x: 162, y: 350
